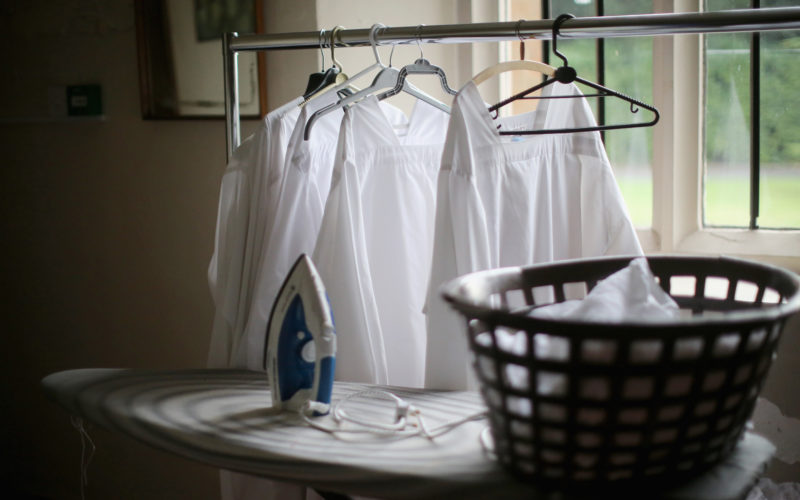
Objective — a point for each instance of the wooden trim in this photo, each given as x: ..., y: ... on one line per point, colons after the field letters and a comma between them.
x: 262, y: 62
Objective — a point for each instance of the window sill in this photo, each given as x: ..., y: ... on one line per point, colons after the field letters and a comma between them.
x: 776, y: 247
x: 781, y: 248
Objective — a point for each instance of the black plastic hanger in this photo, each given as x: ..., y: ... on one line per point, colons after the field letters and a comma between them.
x: 567, y: 74
x: 320, y: 80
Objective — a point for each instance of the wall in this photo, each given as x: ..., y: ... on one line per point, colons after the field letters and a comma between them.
x: 107, y: 231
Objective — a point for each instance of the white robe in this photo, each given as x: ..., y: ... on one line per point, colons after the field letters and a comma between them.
x: 376, y: 239
x: 304, y: 187
x: 516, y: 200
x: 302, y: 195
x: 304, y: 190
x: 247, y: 205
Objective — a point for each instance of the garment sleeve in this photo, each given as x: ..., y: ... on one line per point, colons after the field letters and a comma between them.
x: 341, y: 258
x: 460, y: 246
x: 227, y: 261
x: 606, y: 227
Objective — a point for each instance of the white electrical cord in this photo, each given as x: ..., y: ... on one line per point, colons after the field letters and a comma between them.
x: 77, y: 422
x: 408, y: 420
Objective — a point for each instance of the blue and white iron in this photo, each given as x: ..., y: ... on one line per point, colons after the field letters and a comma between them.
x: 300, y: 349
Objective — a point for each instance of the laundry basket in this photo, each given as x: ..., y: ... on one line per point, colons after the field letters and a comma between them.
x: 580, y: 402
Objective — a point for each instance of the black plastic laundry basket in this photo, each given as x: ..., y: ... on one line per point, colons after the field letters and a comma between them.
x: 582, y: 403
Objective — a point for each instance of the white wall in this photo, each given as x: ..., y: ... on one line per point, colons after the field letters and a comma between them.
x: 288, y: 70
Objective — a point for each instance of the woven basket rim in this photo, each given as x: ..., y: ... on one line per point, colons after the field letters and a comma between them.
x: 455, y: 292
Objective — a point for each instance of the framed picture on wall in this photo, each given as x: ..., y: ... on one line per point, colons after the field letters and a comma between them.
x: 180, y: 57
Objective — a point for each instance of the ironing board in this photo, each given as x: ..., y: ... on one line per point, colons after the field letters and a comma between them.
x: 222, y: 418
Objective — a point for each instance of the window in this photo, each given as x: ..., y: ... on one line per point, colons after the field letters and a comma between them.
x: 752, y: 127
x: 624, y: 64
x: 687, y: 181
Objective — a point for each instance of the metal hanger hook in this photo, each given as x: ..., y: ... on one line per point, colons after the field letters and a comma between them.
x: 321, y: 41
x: 335, y: 32
x: 556, y: 27
x: 419, y: 37
x: 521, y: 41
x: 372, y: 40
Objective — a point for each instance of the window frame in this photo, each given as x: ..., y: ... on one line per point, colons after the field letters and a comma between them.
x: 678, y: 162
x: 678, y: 166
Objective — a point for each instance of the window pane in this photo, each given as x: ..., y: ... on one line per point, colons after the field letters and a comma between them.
x: 727, y: 130
x: 727, y: 126
x: 578, y: 8
x: 523, y: 80
x: 581, y: 54
x: 779, y: 189
x: 629, y: 70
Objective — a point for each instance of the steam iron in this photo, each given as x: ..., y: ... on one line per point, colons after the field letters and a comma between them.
x: 300, y: 349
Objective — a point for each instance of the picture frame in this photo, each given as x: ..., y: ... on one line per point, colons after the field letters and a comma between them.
x: 179, y: 45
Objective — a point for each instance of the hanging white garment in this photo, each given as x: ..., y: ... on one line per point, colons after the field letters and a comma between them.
x: 376, y: 239
x: 304, y: 189
x: 247, y: 210
x: 247, y: 203
x: 516, y: 200
x: 303, y: 192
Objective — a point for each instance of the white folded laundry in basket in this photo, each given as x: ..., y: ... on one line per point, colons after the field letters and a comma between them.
x: 632, y: 294
x: 629, y: 295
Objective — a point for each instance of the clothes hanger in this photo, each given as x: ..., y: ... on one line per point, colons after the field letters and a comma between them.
x: 387, y: 77
x: 567, y: 74
x: 419, y: 67
x: 522, y: 64
x: 318, y: 81
x: 331, y: 78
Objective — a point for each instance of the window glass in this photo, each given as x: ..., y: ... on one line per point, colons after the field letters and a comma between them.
x: 727, y: 126
x: 581, y: 54
x: 727, y: 130
x: 629, y: 70
x: 779, y: 189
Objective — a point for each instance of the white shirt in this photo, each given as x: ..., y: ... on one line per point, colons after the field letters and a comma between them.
x: 303, y: 192
x: 516, y: 200
x: 247, y: 205
x: 376, y: 239
x: 299, y: 204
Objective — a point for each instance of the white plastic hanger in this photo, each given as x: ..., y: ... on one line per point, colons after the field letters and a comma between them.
x: 387, y: 78
x: 347, y: 83
x: 506, y: 66
x: 339, y: 78
x: 522, y: 64
x: 419, y: 67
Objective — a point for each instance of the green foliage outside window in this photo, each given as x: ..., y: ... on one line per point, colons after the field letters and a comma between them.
x: 726, y: 130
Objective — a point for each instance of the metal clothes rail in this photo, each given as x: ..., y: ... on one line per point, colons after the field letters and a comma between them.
x: 747, y: 20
